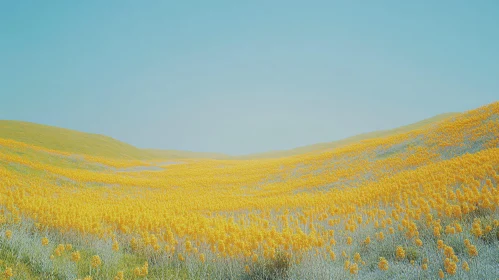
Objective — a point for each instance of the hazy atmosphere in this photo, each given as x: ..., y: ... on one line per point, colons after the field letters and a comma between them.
x: 249, y: 140
x: 237, y: 78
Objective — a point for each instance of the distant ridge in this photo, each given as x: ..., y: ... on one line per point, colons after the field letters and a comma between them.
x: 176, y: 154
x: 335, y: 144
x: 68, y: 140
x: 77, y: 142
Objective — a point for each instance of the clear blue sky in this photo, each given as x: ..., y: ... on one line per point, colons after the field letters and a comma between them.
x: 244, y: 76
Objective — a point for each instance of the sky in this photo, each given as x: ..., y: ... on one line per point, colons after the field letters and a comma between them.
x: 241, y: 77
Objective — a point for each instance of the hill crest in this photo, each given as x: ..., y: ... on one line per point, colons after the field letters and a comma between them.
x: 77, y: 142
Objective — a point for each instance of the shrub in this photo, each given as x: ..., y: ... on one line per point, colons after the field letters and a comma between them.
x: 412, y: 253
x: 270, y: 269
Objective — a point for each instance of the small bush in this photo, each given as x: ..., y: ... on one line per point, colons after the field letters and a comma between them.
x: 491, y: 235
x: 457, y: 244
x: 412, y: 253
x: 479, y: 212
x: 270, y: 269
x: 387, y: 251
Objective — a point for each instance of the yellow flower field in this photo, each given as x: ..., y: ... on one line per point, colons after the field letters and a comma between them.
x: 422, y: 204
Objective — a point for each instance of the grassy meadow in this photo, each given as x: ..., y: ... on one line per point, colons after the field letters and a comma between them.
x: 419, y: 202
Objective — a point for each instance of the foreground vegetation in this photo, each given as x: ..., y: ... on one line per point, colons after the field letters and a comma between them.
x: 419, y: 204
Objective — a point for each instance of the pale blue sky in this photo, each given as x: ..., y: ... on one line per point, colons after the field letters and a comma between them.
x: 234, y: 77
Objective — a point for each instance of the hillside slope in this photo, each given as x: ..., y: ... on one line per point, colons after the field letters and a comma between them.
x: 72, y: 141
x: 176, y: 154
x: 417, y: 204
x: 77, y: 142
x: 68, y: 140
x: 335, y: 144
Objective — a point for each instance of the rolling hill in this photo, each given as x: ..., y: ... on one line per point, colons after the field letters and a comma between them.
x: 72, y: 141
x: 335, y: 144
x: 418, y: 201
x: 77, y: 142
